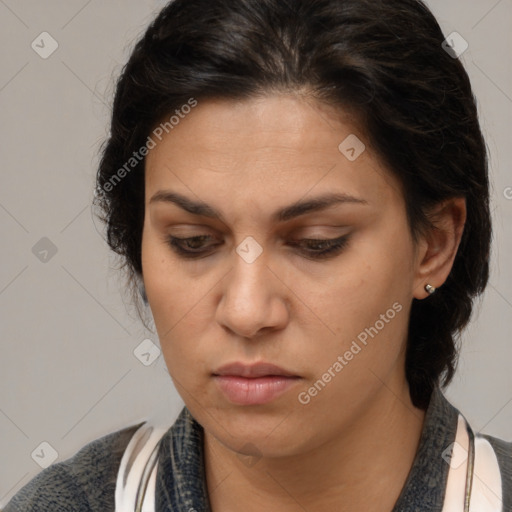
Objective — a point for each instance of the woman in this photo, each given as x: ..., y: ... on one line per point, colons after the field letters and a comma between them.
x: 300, y: 193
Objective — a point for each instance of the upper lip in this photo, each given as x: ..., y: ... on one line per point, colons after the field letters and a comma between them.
x: 253, y: 370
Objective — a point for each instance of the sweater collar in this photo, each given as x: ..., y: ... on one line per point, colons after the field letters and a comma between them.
x: 425, y: 486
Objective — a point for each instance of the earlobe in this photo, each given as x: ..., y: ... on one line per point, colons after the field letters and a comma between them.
x: 439, y: 246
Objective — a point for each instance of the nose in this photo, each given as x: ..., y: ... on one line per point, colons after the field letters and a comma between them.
x: 254, y: 299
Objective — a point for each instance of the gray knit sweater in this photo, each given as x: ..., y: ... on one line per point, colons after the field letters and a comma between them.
x: 86, y: 482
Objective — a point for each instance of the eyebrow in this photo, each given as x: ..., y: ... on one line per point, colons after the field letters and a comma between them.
x: 282, y: 215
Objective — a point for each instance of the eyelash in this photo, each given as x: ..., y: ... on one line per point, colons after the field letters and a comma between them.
x: 334, y: 246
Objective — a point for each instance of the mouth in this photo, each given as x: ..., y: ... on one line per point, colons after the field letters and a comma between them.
x: 255, y: 384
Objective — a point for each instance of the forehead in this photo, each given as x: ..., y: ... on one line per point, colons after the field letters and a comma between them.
x: 274, y: 145
x: 266, y: 122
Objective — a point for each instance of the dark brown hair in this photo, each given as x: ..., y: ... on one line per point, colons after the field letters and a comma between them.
x: 383, y: 60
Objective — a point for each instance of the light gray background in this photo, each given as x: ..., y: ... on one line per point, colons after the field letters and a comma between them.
x: 68, y: 373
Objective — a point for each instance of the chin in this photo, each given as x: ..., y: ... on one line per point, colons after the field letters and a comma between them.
x: 269, y: 430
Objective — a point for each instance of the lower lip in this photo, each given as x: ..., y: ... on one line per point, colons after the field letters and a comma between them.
x: 256, y: 391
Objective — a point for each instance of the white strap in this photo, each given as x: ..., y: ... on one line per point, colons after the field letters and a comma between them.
x: 149, y: 499
x: 456, y: 483
x: 138, y: 469
x: 486, y: 495
x: 485, y: 480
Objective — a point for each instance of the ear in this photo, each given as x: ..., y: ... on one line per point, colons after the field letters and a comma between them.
x: 437, y: 248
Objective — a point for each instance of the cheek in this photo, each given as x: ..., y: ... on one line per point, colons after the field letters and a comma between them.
x: 364, y: 285
x: 178, y: 305
x: 364, y: 305
x: 164, y: 289
x: 163, y: 278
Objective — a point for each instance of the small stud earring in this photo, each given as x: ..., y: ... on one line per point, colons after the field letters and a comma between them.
x: 430, y: 289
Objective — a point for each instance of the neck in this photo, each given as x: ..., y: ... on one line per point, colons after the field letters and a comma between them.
x: 364, y: 468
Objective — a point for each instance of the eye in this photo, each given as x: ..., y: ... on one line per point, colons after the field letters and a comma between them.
x: 315, y: 248
x: 188, y: 247
x: 320, y: 248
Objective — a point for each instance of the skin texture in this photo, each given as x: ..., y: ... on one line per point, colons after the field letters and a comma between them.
x: 350, y: 448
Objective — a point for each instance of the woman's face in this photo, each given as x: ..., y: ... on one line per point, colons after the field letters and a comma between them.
x: 257, y: 291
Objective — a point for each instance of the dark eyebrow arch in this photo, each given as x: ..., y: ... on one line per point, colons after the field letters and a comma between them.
x: 282, y: 215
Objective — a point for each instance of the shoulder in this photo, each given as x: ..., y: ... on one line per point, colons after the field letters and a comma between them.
x: 503, y: 451
x: 83, y: 483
